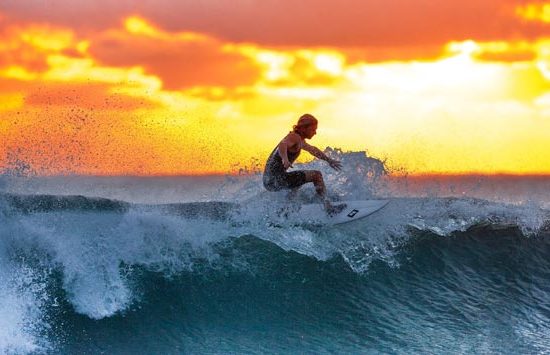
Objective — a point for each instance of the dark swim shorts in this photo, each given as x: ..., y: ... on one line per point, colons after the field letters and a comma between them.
x: 284, y: 180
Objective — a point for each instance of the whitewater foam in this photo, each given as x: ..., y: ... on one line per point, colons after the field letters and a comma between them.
x: 23, y: 295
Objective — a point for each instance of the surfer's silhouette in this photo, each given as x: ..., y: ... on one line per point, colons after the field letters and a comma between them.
x: 277, y: 178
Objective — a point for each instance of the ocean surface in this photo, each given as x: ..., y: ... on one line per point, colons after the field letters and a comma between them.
x: 206, y: 265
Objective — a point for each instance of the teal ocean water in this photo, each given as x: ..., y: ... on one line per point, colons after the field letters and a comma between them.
x: 202, y: 265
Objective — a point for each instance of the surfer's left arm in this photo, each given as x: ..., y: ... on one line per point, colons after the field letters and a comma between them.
x: 316, y: 152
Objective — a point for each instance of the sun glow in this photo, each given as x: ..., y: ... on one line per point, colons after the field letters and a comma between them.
x: 534, y: 12
x: 479, y: 106
x: 46, y: 38
x: 277, y: 64
x: 332, y: 63
x: 137, y: 25
x: 17, y: 72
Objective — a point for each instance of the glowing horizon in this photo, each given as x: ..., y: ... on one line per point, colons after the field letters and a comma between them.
x: 140, y: 94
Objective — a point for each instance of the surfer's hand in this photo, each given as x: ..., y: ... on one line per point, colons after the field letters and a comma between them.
x: 335, y: 164
x: 287, y: 164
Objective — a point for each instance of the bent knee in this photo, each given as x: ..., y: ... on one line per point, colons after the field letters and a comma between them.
x: 314, y: 175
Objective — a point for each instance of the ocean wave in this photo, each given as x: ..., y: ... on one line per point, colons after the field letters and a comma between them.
x: 96, y: 246
x: 72, y: 265
x: 218, y: 220
x: 432, y: 274
x: 73, y: 258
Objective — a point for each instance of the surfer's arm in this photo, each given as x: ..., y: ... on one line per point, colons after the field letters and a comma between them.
x: 288, y: 141
x: 316, y: 152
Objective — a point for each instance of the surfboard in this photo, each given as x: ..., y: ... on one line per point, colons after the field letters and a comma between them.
x: 316, y: 214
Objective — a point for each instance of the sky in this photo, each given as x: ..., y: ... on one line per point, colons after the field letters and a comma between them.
x: 170, y: 87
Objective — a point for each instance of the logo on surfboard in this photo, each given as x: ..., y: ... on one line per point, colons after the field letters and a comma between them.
x: 352, y: 213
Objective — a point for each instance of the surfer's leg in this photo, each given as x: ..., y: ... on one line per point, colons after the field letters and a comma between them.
x: 275, y: 182
x: 293, y: 181
x: 316, y: 178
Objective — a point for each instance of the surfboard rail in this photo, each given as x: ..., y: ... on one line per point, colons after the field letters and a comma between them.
x: 354, y: 210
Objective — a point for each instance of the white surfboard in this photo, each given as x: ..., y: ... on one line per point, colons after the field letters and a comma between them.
x: 316, y: 214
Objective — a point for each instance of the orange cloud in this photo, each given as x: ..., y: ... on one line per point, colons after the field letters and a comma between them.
x: 180, y: 60
x: 348, y: 23
x: 508, y: 56
x: 498, y: 51
x: 377, y: 54
x: 18, y: 47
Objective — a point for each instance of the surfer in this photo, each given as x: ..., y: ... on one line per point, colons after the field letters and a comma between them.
x: 277, y: 178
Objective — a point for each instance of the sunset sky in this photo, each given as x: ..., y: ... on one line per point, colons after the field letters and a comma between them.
x: 159, y: 87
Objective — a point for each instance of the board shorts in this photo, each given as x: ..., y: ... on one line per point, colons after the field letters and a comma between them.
x: 284, y: 180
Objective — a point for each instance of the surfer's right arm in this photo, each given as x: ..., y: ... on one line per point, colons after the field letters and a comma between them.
x: 318, y: 153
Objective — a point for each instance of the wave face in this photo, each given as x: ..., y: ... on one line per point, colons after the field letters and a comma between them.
x: 83, y: 273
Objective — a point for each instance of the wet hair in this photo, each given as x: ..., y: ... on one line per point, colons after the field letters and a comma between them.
x: 304, y: 121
